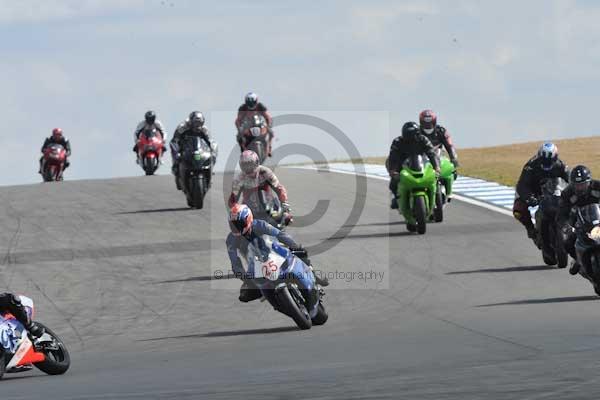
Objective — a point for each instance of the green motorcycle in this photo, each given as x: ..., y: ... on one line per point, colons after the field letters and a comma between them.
x: 416, y: 192
x: 444, y: 187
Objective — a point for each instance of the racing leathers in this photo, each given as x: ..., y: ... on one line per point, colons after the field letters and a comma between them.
x: 143, y: 125
x: 245, y: 113
x: 247, y: 187
x: 400, y: 150
x: 9, y: 303
x: 49, y: 142
x: 529, y: 188
x: 441, y: 137
x: 566, y: 217
x: 184, y: 129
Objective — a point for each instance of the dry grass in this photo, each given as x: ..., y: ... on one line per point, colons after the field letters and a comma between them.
x: 503, y: 164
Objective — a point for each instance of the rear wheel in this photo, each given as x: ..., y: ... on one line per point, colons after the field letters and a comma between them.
x: 420, y: 211
x: 562, y: 257
x: 57, y: 360
x: 294, y: 308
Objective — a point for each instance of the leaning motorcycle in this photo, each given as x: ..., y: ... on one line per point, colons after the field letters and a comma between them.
x: 550, y: 238
x: 55, y: 157
x: 587, y: 245
x: 195, y: 170
x: 18, y: 353
x: 265, y: 205
x: 150, y: 147
x: 444, y: 185
x: 254, y: 135
x: 416, y: 191
x: 286, y: 282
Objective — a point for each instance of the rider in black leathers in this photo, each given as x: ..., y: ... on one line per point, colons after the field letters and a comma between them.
x: 582, y: 191
x: 411, y: 142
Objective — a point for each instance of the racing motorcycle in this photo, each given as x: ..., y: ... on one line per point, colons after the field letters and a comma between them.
x: 55, y: 157
x: 550, y: 238
x: 195, y: 170
x: 587, y: 245
x: 265, y: 205
x: 445, y: 182
x: 254, y: 135
x: 150, y: 147
x: 18, y: 353
x: 286, y: 282
x: 416, y: 191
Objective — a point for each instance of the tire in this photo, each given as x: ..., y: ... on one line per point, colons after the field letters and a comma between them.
x: 150, y: 165
x: 321, y: 316
x: 294, y: 310
x: 48, y: 175
x: 420, y: 211
x: 258, y: 147
x: 2, y: 364
x: 57, y: 362
x: 438, y: 212
x: 562, y: 258
x: 197, y: 192
x: 549, y: 259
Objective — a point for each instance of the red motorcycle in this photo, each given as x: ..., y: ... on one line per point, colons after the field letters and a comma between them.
x: 254, y: 135
x: 55, y: 157
x: 150, y: 147
x: 18, y: 353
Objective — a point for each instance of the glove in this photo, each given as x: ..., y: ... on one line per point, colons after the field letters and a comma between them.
x: 35, y: 330
x: 437, y: 172
x: 454, y: 161
x: 285, y: 207
x: 566, y: 229
x: 532, y: 201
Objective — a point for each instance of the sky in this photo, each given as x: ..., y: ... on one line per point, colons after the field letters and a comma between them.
x: 495, y: 72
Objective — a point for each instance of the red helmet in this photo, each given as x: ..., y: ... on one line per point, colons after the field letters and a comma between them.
x: 428, y: 121
x: 240, y: 219
x: 57, y: 133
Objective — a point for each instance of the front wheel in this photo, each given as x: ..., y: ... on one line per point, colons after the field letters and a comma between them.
x: 150, y: 165
x: 321, y: 316
x: 57, y: 360
x: 2, y: 364
x: 562, y: 257
x: 438, y: 211
x: 294, y: 308
x: 420, y: 210
x: 197, y: 192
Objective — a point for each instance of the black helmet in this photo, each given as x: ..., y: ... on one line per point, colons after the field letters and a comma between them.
x: 196, y: 120
x: 410, y: 130
x: 580, y: 179
x: 150, y: 117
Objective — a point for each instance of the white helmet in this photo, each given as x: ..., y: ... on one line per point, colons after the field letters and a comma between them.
x: 251, y: 100
x: 548, y: 153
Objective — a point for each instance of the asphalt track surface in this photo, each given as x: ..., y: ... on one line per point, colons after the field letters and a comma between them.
x: 122, y: 270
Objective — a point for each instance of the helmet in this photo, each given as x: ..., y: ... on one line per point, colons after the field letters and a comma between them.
x: 251, y: 100
x: 580, y: 179
x: 240, y: 219
x: 249, y: 162
x: 196, y: 121
x: 150, y: 117
x: 428, y: 121
x: 410, y: 131
x: 548, y: 153
x: 57, y: 133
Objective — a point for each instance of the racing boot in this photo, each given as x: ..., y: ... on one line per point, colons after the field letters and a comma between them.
x: 249, y: 292
x: 575, y: 267
x: 394, y: 203
x: 533, y: 235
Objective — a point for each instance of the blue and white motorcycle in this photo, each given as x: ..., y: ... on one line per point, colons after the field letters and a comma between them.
x: 286, y: 282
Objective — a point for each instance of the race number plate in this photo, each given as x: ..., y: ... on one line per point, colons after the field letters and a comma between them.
x: 271, y: 268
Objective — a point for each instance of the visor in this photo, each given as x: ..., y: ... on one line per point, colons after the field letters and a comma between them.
x: 581, y: 187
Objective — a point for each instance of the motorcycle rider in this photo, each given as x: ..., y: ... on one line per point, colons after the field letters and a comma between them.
x: 250, y: 107
x: 437, y: 134
x: 544, y: 165
x: 149, y: 122
x: 254, y: 177
x: 56, y: 138
x: 581, y: 191
x: 9, y: 303
x: 411, y: 142
x: 192, y: 126
x: 245, y: 230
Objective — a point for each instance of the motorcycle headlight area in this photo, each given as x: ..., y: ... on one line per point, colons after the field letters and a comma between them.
x: 201, y: 155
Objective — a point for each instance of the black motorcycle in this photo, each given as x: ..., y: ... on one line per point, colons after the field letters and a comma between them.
x: 587, y: 245
x: 550, y: 238
x: 195, y: 170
